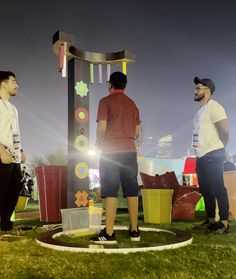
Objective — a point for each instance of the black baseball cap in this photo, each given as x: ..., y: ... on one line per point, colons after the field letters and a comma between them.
x: 207, y: 82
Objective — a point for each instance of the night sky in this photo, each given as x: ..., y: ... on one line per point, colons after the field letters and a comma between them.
x: 173, y: 42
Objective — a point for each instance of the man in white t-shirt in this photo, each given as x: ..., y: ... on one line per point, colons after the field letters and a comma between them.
x: 210, y: 136
x: 11, y: 154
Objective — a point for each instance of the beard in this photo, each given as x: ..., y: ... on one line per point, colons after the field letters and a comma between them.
x: 198, y: 98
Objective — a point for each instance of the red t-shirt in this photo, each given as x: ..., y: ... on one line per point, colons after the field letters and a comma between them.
x: 122, y: 116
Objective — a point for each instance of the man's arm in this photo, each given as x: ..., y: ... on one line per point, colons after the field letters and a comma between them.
x: 138, y: 131
x: 1, y: 148
x: 23, y: 157
x: 101, y: 129
x: 222, y: 128
x: 5, y: 157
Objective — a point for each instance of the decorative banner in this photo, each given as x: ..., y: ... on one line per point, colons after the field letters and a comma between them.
x: 81, y: 115
x: 81, y: 198
x: 124, y: 67
x: 82, y: 143
x: 108, y: 71
x: 100, y: 73
x: 91, y: 73
x: 81, y: 89
x: 64, y: 69
x: 61, y: 57
x: 81, y: 170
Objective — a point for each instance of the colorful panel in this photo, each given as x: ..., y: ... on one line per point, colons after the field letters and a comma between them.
x: 81, y: 115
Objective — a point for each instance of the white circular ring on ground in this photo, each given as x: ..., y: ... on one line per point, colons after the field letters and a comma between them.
x: 48, y: 240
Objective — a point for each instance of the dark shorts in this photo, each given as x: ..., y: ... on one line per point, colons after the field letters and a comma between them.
x: 119, y: 169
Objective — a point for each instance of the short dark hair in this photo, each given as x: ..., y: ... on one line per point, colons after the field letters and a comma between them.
x: 4, y: 75
x: 118, y: 80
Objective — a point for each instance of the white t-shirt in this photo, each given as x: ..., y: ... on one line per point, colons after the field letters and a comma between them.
x: 9, y: 130
x: 205, y: 136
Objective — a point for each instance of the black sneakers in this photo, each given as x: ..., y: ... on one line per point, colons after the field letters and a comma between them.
x: 216, y: 227
x: 134, y: 235
x: 221, y: 228
x: 104, y: 238
x: 212, y: 227
x: 12, y: 232
x: 203, y: 226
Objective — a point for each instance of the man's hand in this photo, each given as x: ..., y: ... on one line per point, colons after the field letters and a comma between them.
x: 222, y: 128
x: 23, y: 157
x: 101, y: 129
x: 5, y: 157
x: 97, y: 145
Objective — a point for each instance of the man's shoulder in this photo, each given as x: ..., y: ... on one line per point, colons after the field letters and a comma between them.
x: 104, y: 98
x: 214, y: 103
x: 216, y: 111
x: 6, y: 103
x: 118, y: 99
x: 112, y: 97
x: 129, y: 99
x: 2, y: 105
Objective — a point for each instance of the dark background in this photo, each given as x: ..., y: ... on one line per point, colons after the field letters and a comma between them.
x: 173, y: 42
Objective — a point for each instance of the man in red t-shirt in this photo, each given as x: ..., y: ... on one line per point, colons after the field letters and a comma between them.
x: 117, y: 131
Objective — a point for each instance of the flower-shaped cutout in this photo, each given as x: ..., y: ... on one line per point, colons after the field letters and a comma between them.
x: 81, y: 170
x: 81, y: 115
x: 82, y: 131
x: 81, y: 198
x: 82, y: 143
x: 81, y: 89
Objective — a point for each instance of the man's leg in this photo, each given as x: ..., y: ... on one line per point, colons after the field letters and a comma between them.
x: 130, y: 186
x: 110, y: 181
x: 111, y: 207
x: 216, y: 180
x: 205, y: 188
x: 12, y: 195
x: 5, y: 174
x: 133, y: 212
x: 213, y: 166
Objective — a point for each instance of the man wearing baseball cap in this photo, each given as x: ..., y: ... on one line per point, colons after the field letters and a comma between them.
x: 210, y: 136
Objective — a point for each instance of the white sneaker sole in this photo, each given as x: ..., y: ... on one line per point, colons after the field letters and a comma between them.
x: 135, y: 238
x: 105, y: 241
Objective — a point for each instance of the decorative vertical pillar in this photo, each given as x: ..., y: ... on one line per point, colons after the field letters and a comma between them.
x: 78, y: 131
x: 80, y: 74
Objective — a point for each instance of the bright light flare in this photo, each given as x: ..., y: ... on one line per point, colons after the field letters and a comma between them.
x: 92, y: 152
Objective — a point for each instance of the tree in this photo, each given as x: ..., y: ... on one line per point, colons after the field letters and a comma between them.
x: 56, y: 157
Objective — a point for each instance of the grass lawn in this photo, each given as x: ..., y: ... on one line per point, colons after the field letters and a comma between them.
x: 209, y: 256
